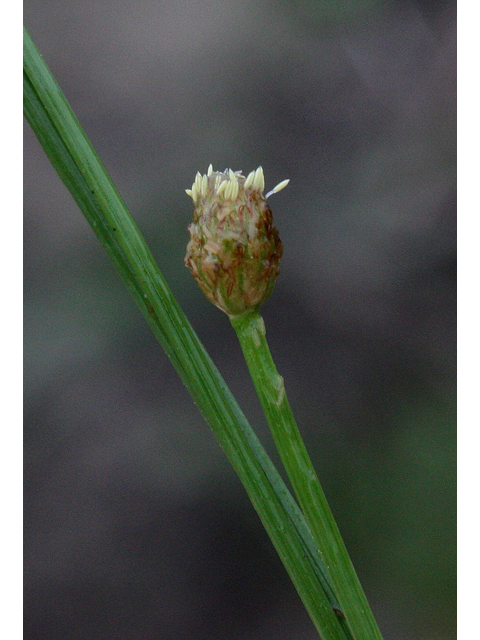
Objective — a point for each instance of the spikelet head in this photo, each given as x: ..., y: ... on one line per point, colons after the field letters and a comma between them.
x: 234, y: 249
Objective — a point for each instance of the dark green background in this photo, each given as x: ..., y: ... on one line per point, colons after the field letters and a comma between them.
x: 136, y: 527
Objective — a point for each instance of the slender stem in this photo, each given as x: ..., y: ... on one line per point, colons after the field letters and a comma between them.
x: 270, y: 388
x: 76, y: 162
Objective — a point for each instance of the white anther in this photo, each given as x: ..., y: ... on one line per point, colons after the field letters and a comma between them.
x: 222, y: 187
x: 259, y: 180
x: 279, y: 187
x: 210, y: 170
x: 249, y: 179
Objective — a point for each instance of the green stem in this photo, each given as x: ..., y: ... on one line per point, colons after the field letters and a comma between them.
x: 270, y: 388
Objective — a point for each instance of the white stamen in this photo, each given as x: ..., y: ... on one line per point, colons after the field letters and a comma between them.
x: 279, y: 187
x: 222, y: 187
x: 249, y: 179
x: 228, y: 183
x: 259, y: 180
x: 204, y: 186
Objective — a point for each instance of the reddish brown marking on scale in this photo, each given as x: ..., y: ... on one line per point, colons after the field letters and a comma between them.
x: 268, y: 216
x: 239, y: 251
x: 241, y: 214
x: 231, y: 280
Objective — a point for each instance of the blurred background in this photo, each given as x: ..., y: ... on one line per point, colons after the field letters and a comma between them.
x: 136, y: 526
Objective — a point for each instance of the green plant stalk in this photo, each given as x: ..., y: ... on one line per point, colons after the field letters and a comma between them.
x: 77, y: 164
x: 270, y: 388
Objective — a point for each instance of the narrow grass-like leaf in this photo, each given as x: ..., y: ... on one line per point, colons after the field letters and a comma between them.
x: 72, y: 155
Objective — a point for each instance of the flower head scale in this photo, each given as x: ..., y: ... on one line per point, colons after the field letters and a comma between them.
x: 234, y: 249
